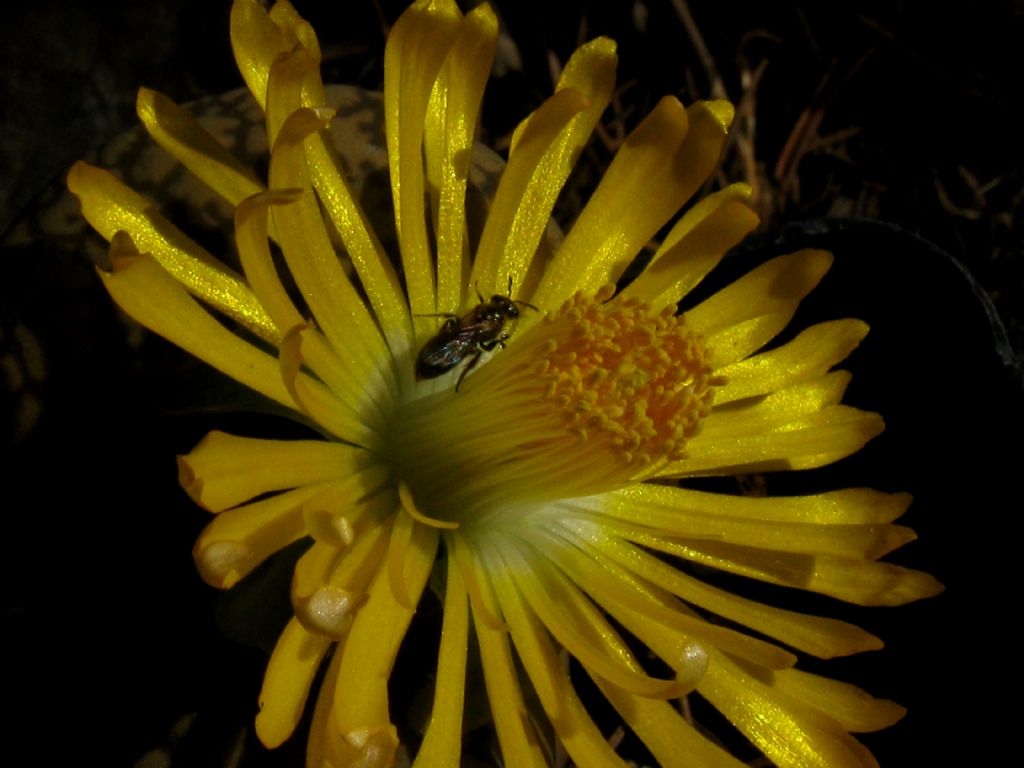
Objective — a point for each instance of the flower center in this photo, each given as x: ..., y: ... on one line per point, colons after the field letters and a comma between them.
x: 596, y: 395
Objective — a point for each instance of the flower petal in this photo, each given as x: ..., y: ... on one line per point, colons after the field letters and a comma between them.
x: 338, y: 309
x: 813, y: 352
x: 790, y: 734
x: 286, y: 683
x: 579, y: 628
x: 744, y: 316
x: 450, y: 130
x: 442, y: 742
x: 376, y: 273
x: 576, y: 730
x: 825, y: 638
x: 159, y: 302
x: 655, y: 505
x: 258, y: 37
x: 224, y: 470
x: 863, y: 582
x: 361, y: 705
x: 415, y: 51
x: 257, y: 262
x: 693, y: 247
x: 111, y: 207
x: 660, y: 165
x: 511, y: 720
x: 640, y: 606
x: 332, y: 516
x: 673, y: 741
x: 545, y: 148
x: 853, y: 541
x: 328, y: 408
x: 174, y: 129
x: 239, y: 539
x: 778, y: 410
x: 811, y: 441
x: 855, y: 710
x: 328, y: 605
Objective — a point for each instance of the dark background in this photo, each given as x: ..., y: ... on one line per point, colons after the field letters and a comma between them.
x: 882, y: 131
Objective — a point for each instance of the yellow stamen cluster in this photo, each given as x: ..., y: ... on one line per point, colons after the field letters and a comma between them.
x: 596, y: 395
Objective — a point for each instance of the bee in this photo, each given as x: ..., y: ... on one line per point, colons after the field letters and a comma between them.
x: 468, y: 337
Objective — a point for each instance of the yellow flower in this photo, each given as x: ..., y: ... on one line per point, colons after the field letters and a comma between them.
x: 542, y: 486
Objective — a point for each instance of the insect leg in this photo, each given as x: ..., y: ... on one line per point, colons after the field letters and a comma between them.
x: 469, y: 366
x: 487, y: 346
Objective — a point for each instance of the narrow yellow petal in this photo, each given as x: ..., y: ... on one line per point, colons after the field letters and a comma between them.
x: 626, y: 598
x: 442, y: 742
x: 780, y: 410
x: 327, y: 407
x: 174, y: 129
x: 867, y: 542
x: 111, y: 207
x: 224, y: 470
x: 338, y: 309
x: 812, y: 441
x: 744, y: 316
x: 544, y: 151
x: 410, y: 508
x: 450, y: 130
x: 376, y: 273
x: 284, y: 88
x: 289, y: 676
x: 672, y: 740
x: 576, y: 730
x: 655, y: 505
x: 401, y: 539
x: 825, y: 638
x: 159, y: 302
x: 331, y: 517
x: 313, y: 569
x: 330, y: 748
x: 239, y: 539
x: 415, y: 50
x: 473, y: 576
x: 257, y: 262
x: 853, y: 541
x: 660, y: 165
x: 863, y: 582
x: 856, y: 710
x: 511, y: 720
x: 326, y: 747
x: 257, y: 40
x: 790, y: 734
x: 813, y: 352
x: 552, y: 599
x: 683, y: 260
x: 522, y: 205
x: 329, y: 584
x: 361, y: 704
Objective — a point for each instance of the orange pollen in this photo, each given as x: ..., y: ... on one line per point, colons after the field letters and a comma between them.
x: 638, y: 381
